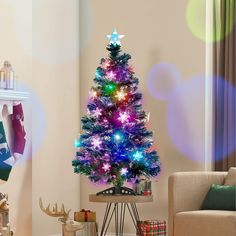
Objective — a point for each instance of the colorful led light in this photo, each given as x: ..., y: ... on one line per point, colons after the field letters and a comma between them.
x: 96, y: 142
x: 138, y: 156
x: 111, y: 75
x: 124, y: 116
x: 118, y: 137
x: 106, y: 64
x: 77, y: 143
x: 110, y: 88
x: 123, y: 171
x: 97, y: 112
x: 121, y: 95
x: 93, y: 94
x: 106, y: 167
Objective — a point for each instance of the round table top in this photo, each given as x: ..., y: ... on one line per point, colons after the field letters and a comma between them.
x: 120, y: 198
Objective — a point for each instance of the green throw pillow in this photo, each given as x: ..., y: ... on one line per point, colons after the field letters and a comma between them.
x: 220, y: 197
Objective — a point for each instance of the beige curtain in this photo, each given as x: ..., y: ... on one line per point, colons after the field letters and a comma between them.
x: 224, y: 85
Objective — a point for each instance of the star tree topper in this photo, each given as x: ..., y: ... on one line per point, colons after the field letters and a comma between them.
x: 115, y: 37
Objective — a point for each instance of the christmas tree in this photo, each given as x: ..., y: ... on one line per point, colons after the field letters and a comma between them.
x: 115, y: 145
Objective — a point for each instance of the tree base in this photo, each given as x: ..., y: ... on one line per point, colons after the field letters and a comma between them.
x: 117, y: 191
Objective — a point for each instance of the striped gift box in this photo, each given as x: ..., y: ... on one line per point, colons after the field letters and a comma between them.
x: 152, y: 227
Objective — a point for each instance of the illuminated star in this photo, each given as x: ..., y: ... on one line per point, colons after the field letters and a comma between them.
x: 137, y: 156
x: 115, y: 37
x: 93, y: 94
x: 106, y: 167
x: 124, y: 171
x: 111, y: 75
x: 96, y: 142
x: 120, y: 95
x: 124, y: 116
x: 97, y: 112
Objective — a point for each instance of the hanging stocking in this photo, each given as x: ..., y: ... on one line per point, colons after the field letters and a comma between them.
x: 18, y: 131
x: 6, y: 160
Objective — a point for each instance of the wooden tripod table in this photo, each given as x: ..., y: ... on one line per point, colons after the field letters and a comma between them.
x: 117, y: 206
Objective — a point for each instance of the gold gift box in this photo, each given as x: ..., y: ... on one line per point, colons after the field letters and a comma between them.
x: 85, y: 216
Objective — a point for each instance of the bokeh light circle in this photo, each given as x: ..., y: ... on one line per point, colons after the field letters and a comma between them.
x: 162, y: 80
x: 186, y: 119
x: 196, y: 21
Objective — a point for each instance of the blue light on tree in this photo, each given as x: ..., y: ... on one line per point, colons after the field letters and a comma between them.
x: 137, y: 156
x: 77, y: 143
x: 118, y: 137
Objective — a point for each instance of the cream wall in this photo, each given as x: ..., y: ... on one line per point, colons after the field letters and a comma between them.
x: 56, y: 82
x: 19, y: 185
x: 156, y: 31
x: 40, y: 38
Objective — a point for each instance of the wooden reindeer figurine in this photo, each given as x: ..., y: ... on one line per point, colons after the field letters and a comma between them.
x: 69, y: 227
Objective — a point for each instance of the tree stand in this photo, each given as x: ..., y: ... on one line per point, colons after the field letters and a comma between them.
x: 117, y: 190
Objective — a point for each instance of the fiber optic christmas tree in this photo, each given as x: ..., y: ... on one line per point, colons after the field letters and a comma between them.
x: 115, y: 145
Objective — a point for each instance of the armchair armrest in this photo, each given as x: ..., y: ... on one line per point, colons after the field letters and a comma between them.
x: 187, y: 190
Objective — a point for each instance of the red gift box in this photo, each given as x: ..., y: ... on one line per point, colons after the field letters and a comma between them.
x: 152, y: 227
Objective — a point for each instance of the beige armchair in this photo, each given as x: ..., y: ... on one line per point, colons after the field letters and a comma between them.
x: 187, y: 191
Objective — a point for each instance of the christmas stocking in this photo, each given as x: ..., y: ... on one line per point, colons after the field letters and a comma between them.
x: 6, y: 160
x: 18, y: 131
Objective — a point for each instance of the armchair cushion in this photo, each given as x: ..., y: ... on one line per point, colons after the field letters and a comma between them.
x: 209, y: 222
x: 220, y: 197
x: 230, y: 178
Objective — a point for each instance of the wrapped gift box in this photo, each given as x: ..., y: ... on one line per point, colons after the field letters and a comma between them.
x: 85, y: 216
x: 143, y: 187
x: 152, y: 227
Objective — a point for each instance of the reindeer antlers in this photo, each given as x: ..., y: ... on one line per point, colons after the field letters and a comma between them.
x: 54, y: 212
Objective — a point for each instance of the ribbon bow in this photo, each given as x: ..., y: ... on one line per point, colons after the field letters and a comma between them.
x: 85, y: 214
